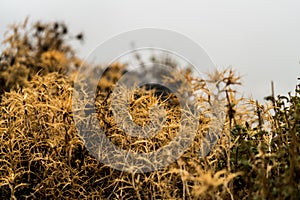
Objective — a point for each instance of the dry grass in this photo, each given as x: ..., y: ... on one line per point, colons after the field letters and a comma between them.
x: 42, y: 154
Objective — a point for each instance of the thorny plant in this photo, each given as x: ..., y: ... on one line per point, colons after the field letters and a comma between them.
x: 42, y: 155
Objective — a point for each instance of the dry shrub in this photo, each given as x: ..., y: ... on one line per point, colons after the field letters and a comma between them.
x: 38, y: 139
x: 41, y: 48
x: 42, y: 154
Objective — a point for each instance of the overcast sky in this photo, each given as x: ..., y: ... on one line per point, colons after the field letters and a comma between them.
x: 258, y: 38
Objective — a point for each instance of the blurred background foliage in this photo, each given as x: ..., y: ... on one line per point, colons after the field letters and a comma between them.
x: 39, y: 49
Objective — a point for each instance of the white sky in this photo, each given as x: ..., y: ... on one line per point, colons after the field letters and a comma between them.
x: 258, y: 38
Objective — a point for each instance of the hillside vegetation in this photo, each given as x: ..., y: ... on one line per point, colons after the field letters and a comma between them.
x: 43, y: 155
